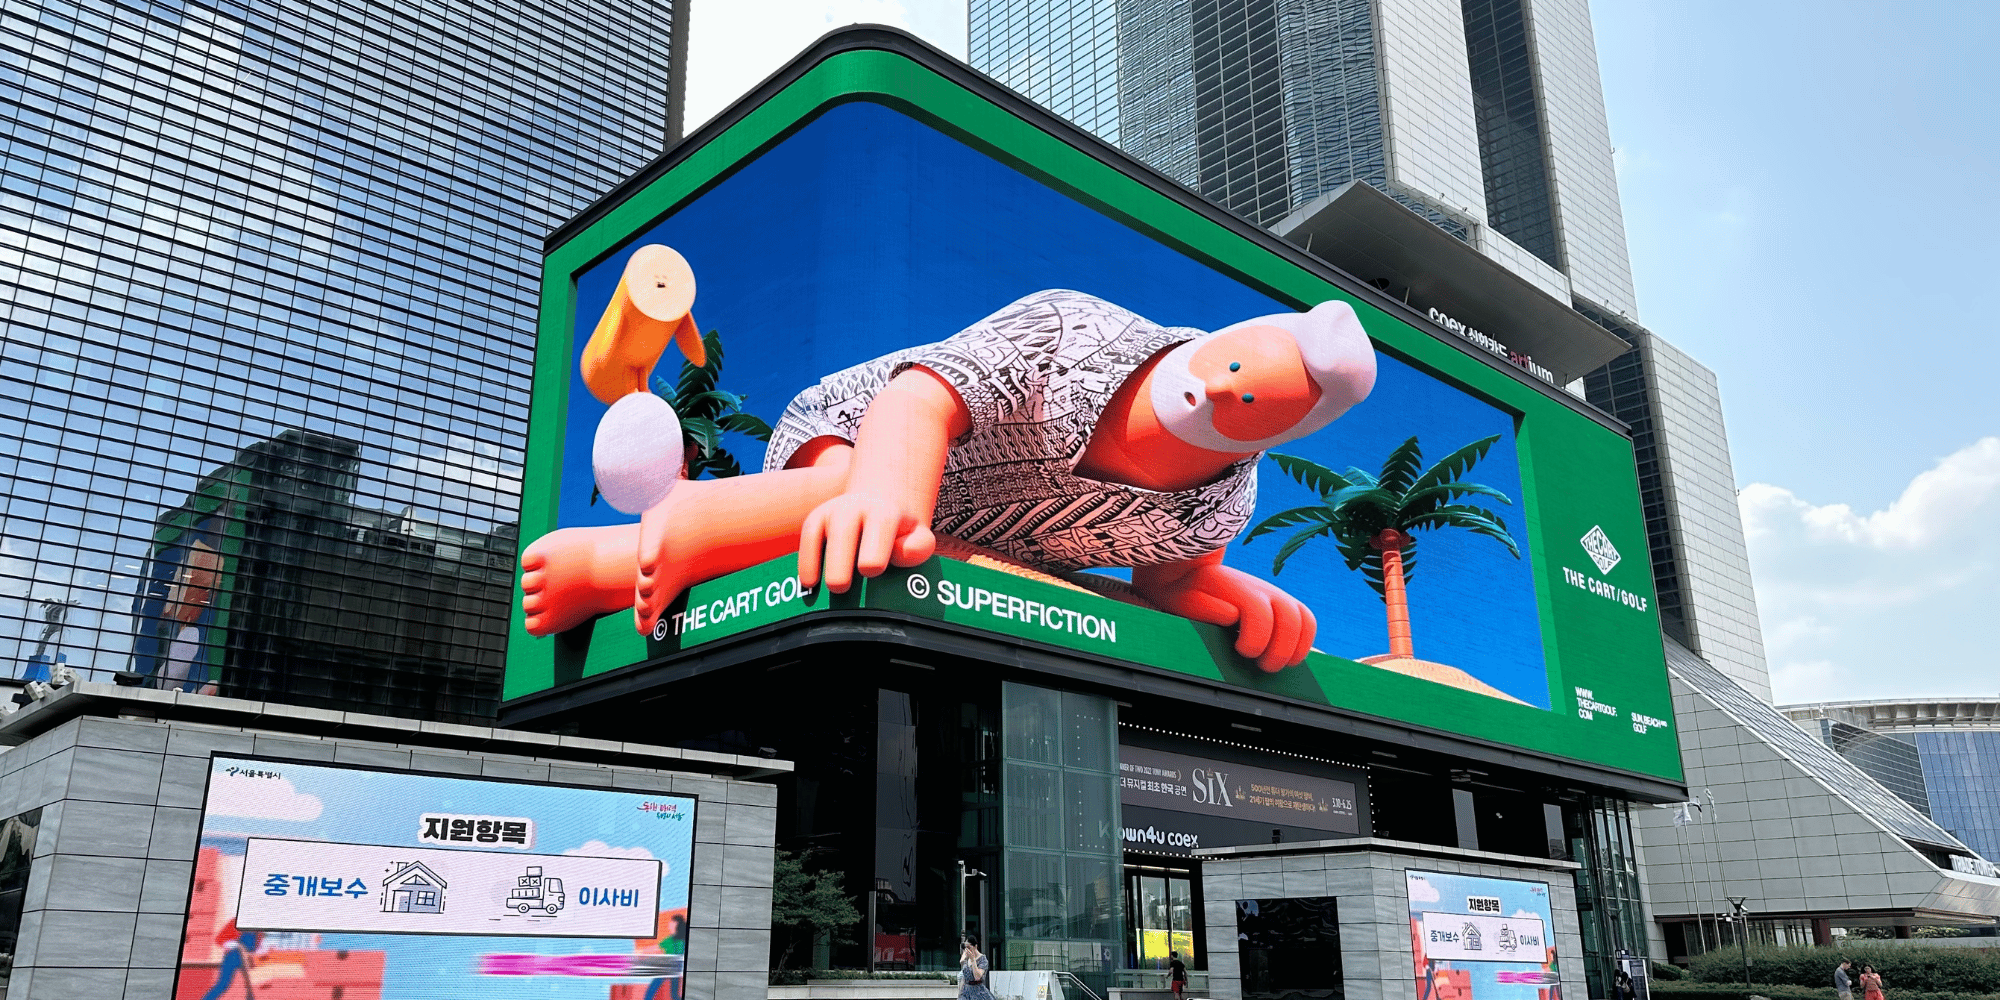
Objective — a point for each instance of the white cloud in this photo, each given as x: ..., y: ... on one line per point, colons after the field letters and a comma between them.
x: 600, y: 849
x: 462, y: 460
x: 261, y: 798
x: 1936, y: 503
x: 1526, y: 914
x: 1422, y: 891
x: 462, y: 482
x: 1884, y: 604
x: 732, y: 45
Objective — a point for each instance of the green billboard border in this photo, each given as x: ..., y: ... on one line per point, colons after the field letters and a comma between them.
x: 1557, y: 444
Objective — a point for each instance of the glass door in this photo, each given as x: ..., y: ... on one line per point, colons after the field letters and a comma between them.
x: 1162, y: 905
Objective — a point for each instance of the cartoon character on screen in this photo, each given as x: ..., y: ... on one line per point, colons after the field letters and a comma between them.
x: 674, y: 942
x: 238, y: 949
x: 1061, y: 433
x: 176, y: 611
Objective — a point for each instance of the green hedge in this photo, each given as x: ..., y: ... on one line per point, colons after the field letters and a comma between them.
x: 1718, y: 991
x: 1906, y: 969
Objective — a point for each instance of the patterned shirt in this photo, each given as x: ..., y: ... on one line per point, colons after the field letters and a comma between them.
x: 1035, y: 376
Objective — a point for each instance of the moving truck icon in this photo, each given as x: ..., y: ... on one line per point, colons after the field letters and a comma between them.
x: 534, y: 892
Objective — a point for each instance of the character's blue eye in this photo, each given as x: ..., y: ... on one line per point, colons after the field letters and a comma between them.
x: 1248, y: 398
x: 1236, y: 366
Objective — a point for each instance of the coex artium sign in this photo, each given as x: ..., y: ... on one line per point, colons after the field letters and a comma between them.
x: 981, y: 376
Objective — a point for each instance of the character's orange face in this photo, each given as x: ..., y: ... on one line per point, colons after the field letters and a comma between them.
x: 194, y: 583
x: 1257, y: 381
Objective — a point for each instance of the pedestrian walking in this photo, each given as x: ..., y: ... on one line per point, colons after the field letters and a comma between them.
x: 1843, y: 984
x: 1176, y: 974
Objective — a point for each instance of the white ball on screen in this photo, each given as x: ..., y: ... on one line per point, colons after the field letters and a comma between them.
x: 637, y: 454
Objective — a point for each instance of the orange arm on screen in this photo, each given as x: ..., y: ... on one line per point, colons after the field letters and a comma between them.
x: 883, y: 516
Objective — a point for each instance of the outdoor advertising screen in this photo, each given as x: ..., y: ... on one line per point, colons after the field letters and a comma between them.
x: 181, y: 613
x: 1482, y: 938
x: 398, y: 885
x: 1137, y: 434
x: 1174, y: 803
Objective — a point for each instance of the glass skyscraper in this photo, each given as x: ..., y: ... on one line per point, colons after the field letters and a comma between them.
x: 1260, y: 105
x: 1962, y: 775
x: 1940, y: 755
x: 268, y: 274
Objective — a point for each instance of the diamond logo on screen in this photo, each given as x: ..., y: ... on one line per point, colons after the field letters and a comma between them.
x: 1600, y: 549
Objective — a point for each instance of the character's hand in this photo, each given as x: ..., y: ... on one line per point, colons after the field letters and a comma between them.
x: 864, y: 532
x: 1273, y: 627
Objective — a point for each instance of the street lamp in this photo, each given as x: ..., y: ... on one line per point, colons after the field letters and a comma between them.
x: 1742, y: 935
x: 966, y: 872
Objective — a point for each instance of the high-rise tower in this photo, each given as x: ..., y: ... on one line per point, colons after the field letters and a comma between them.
x: 1484, y: 118
x: 260, y: 250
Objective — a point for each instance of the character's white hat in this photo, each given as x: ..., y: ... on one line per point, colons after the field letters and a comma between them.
x: 1336, y: 353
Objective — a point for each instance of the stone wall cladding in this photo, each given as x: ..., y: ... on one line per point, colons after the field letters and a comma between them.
x: 1377, y: 962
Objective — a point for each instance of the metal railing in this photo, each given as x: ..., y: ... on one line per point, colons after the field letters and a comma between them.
x: 1156, y: 979
x: 1069, y: 980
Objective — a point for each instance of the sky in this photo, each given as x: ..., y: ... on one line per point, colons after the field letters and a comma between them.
x: 1807, y: 189
x: 1808, y: 193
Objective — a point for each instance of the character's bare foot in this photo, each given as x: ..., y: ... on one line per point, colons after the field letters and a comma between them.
x: 673, y: 552
x: 573, y: 575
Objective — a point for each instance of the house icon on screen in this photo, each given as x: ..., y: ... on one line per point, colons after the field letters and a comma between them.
x: 412, y: 888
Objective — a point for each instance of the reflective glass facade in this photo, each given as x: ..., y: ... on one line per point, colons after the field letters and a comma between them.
x: 1063, y: 54
x: 1260, y: 105
x: 1694, y: 533
x: 1610, y: 912
x: 1805, y: 750
x: 1513, y: 151
x: 1891, y: 759
x: 1061, y: 864
x: 1239, y: 108
x: 1156, y: 86
x: 267, y: 291
x: 1962, y: 773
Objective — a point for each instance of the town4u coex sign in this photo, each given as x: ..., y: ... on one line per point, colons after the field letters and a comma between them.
x: 1434, y: 539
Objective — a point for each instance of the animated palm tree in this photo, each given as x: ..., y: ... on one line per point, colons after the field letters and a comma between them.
x: 1373, y: 519
x: 706, y: 413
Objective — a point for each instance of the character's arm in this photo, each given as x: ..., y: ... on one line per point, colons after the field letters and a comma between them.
x: 884, y: 515
x: 648, y: 310
x: 1274, y: 628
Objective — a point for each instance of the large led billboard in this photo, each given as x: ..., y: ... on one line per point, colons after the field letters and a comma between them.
x: 1175, y: 803
x: 328, y: 881
x: 1101, y: 422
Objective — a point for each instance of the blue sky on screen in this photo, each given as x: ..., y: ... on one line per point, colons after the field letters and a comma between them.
x: 910, y: 236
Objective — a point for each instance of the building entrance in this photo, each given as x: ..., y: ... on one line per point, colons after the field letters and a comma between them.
x: 1164, y: 916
